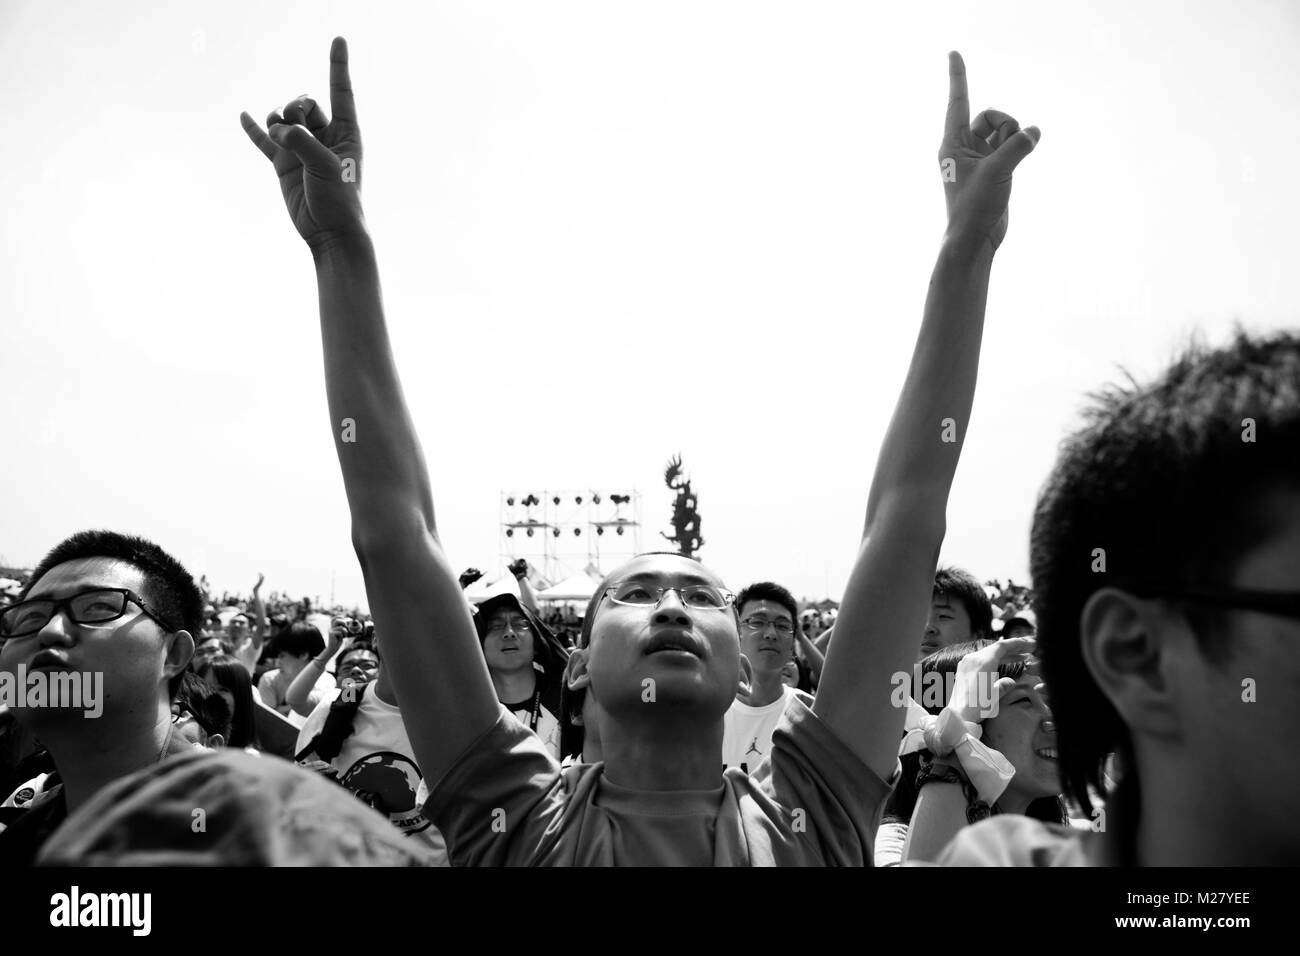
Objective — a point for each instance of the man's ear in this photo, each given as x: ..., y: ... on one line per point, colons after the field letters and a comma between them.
x: 180, y: 650
x: 576, y: 676
x: 216, y: 742
x: 1127, y: 643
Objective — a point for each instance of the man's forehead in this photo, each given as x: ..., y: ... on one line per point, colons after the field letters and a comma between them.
x: 83, y: 573
x: 668, y: 569
x: 763, y: 606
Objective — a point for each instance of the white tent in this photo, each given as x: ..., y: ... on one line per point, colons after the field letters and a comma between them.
x: 579, y: 587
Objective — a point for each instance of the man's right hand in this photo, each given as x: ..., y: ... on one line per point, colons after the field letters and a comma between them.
x: 318, y: 161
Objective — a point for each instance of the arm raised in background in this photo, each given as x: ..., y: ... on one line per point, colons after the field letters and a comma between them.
x: 887, y: 597
x: 257, y: 630
x: 430, y: 647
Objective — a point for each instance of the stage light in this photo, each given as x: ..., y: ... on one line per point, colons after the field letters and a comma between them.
x: 555, y: 532
x: 600, y: 530
x: 530, y: 532
x: 576, y: 532
x: 555, y: 500
x: 510, y: 532
x: 510, y: 502
x: 619, y: 529
x: 578, y: 500
x: 595, y: 499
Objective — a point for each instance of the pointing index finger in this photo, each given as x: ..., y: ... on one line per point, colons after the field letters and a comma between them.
x: 342, y: 106
x: 958, y: 101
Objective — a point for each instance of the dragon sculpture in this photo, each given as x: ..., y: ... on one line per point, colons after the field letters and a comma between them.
x: 686, y: 514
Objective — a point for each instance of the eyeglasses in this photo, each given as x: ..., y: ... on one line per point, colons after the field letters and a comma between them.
x: 96, y: 606
x: 519, y: 627
x: 1282, y: 603
x: 183, y: 713
x: 760, y: 624
x: 636, y: 594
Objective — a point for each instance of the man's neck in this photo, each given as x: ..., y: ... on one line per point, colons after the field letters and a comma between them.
x: 765, y: 689
x: 514, y: 686
x: 1180, y: 826
x: 662, y: 756
x: 89, y: 761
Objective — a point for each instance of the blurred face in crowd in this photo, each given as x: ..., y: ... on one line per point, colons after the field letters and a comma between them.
x: 949, y: 623
x: 135, y: 654
x: 208, y: 647
x: 508, y: 642
x: 291, y: 665
x: 358, y: 667
x: 1023, y: 732
x: 210, y: 678
x: 681, y: 655
x: 766, y: 636
x: 238, y: 629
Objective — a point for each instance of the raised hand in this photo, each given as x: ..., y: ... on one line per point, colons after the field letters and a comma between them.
x: 976, y: 160
x: 318, y: 160
x: 966, y: 694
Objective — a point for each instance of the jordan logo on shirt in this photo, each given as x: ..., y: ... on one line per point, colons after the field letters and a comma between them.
x: 753, y: 748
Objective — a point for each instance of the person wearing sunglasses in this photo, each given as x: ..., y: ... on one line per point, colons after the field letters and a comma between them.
x: 110, y: 604
x: 768, y: 616
x: 661, y: 638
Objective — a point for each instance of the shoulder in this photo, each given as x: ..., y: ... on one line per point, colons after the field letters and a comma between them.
x: 231, y: 809
x: 1014, y: 840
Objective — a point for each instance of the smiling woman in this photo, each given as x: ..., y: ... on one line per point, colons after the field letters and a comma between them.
x: 935, y: 797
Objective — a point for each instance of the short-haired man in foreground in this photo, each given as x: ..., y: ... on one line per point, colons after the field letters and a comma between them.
x: 100, y: 603
x: 1164, y: 552
x: 661, y: 646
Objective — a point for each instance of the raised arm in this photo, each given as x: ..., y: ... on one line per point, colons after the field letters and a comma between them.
x: 257, y: 630
x: 438, y: 673
x: 888, y: 593
x: 527, y: 596
x: 299, y: 694
x: 815, y: 658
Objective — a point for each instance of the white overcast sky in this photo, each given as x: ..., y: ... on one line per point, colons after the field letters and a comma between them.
x: 608, y: 232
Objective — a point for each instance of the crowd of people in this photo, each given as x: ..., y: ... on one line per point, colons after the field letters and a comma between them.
x: 924, y: 718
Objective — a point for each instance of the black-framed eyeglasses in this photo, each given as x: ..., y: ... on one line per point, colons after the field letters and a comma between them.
x: 182, y: 712
x: 760, y: 624
x: 636, y: 594
x: 93, y: 606
x: 1282, y: 603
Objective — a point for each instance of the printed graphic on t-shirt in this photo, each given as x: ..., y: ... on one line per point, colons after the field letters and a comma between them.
x: 388, y: 782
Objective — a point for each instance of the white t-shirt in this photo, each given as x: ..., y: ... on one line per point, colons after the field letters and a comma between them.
x: 273, y: 687
x: 377, y: 759
x: 548, y: 725
x: 747, y: 733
